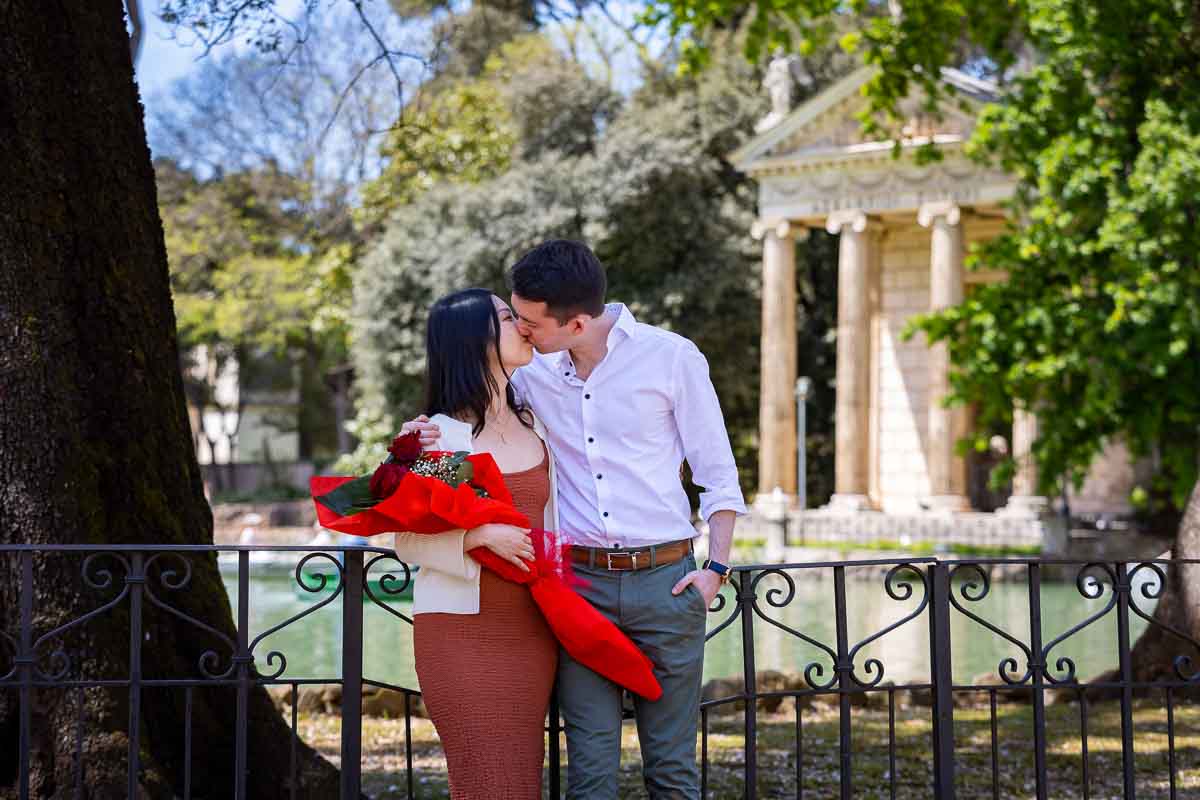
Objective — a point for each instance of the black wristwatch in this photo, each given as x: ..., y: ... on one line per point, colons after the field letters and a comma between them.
x: 717, y: 567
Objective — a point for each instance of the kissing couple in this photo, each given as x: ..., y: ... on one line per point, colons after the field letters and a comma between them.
x: 589, y: 414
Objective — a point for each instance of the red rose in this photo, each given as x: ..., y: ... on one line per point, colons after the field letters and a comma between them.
x: 406, y: 448
x: 387, y: 479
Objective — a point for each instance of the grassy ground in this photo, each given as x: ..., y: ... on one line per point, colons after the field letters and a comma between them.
x: 384, y: 774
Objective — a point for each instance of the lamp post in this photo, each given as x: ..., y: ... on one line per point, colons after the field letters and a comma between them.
x: 803, y: 386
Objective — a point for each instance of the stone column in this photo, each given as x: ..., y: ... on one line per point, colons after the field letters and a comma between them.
x: 856, y: 258
x: 1025, y: 500
x: 947, y: 470
x: 777, y: 381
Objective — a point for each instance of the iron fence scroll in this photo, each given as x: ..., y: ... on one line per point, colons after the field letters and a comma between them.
x: 943, y: 599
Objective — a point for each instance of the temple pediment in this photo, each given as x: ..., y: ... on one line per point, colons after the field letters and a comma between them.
x: 826, y: 128
x: 814, y: 160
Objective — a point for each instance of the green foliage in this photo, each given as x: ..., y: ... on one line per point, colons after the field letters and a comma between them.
x: 254, y: 283
x: 1098, y: 326
x: 910, y: 47
x: 471, y: 130
x: 531, y: 74
x: 461, y: 134
x: 469, y: 38
x: 373, y: 428
x: 245, y: 265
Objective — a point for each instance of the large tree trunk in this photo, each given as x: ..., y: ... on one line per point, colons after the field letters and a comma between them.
x: 94, y: 439
x: 1153, y: 655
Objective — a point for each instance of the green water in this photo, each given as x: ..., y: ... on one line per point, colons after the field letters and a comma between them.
x: 313, y: 645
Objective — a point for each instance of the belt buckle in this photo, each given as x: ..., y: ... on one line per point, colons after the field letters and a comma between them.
x: 632, y: 557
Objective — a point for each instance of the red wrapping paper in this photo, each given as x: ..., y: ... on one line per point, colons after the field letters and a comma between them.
x: 427, y: 505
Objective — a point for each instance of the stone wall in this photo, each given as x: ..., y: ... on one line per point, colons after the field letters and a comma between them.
x: 811, y: 531
x: 974, y: 529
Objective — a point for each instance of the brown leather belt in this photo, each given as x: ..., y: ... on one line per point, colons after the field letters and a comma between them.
x: 631, y: 558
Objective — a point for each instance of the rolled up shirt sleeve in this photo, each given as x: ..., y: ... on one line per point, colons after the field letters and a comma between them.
x: 702, y: 430
x: 438, y: 551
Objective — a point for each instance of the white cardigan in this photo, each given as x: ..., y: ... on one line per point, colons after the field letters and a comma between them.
x: 448, y: 581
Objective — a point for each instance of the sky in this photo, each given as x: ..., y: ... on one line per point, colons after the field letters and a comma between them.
x: 163, y: 59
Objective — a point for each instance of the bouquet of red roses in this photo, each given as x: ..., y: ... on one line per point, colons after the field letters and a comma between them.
x: 437, y: 491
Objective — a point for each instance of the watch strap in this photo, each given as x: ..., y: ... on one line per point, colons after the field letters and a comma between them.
x: 717, y: 567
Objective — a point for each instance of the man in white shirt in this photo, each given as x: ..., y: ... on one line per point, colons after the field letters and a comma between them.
x: 624, y: 403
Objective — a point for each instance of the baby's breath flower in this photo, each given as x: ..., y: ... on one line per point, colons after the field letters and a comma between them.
x: 445, y: 468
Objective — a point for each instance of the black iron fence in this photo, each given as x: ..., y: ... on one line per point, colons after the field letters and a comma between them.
x: 939, y: 601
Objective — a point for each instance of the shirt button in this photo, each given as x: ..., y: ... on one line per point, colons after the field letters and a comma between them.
x: 606, y: 513
x: 598, y: 477
x: 587, y: 397
x: 566, y: 374
x: 590, y: 440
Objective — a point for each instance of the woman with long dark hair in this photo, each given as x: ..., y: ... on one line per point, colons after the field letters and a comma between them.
x: 485, y: 657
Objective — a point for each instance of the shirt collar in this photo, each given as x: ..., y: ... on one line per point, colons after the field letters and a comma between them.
x: 626, y: 324
x: 625, y: 328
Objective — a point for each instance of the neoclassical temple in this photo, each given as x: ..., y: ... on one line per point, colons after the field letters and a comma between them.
x: 903, y: 230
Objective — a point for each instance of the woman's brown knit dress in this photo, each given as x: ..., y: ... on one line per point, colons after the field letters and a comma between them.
x: 486, y: 677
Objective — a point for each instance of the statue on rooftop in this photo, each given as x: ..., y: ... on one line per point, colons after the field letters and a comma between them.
x: 782, y: 74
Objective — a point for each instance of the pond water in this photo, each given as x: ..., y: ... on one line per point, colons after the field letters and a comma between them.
x: 312, y: 645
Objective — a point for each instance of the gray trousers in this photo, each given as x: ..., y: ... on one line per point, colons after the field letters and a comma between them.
x: 669, y: 629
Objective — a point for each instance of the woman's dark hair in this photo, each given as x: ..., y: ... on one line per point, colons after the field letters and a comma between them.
x: 458, y: 379
x: 564, y: 275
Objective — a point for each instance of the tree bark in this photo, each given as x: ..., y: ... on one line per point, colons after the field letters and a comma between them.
x: 1153, y: 655
x: 94, y: 438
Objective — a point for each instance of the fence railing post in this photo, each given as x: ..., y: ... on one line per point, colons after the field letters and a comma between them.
x: 352, y: 673
x: 941, y: 679
x: 24, y: 661
x: 242, y: 661
x: 745, y: 599
x: 1126, y: 666
x: 843, y: 668
x: 136, y: 580
x: 1037, y: 671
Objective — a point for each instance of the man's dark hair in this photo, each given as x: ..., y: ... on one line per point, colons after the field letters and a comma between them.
x: 563, y: 274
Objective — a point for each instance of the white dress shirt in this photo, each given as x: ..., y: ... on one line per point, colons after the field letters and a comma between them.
x: 620, y: 437
x: 449, y: 579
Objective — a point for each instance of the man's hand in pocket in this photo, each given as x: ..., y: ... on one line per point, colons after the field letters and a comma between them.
x: 707, y: 581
